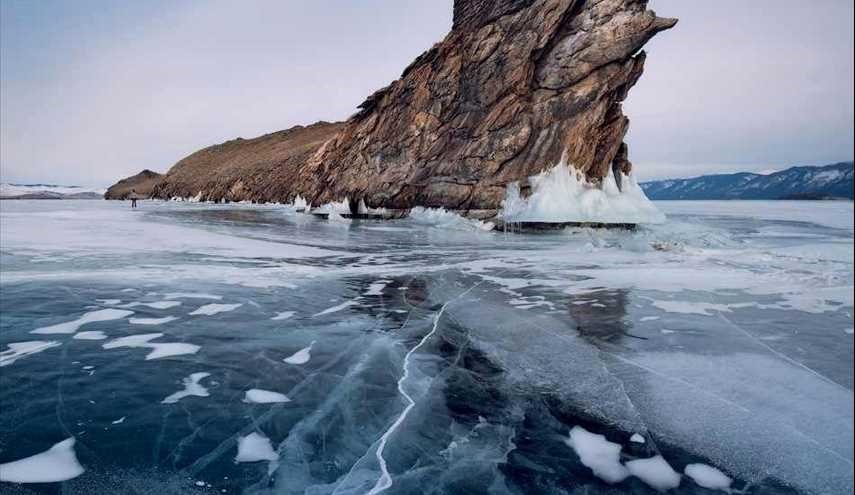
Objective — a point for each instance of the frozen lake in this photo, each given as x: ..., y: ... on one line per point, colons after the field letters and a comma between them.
x: 186, y: 348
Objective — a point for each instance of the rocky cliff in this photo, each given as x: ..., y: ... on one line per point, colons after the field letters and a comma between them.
x: 514, y: 87
x: 142, y: 184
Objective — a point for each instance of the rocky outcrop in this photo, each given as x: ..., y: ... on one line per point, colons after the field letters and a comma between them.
x: 515, y: 87
x: 261, y: 169
x: 141, y: 184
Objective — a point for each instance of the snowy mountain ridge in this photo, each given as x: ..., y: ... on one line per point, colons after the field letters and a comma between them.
x: 826, y: 182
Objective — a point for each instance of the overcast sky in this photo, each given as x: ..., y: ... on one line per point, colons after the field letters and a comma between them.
x: 91, y: 91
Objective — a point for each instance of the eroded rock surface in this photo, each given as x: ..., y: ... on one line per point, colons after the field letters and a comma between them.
x: 515, y: 86
x: 142, y: 184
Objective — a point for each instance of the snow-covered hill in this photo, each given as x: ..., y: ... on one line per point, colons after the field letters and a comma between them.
x: 829, y: 181
x: 48, y: 191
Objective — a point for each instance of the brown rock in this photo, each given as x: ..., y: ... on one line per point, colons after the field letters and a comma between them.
x: 141, y: 184
x: 261, y: 169
x: 516, y: 86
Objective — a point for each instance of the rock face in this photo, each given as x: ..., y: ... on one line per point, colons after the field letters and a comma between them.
x: 516, y: 86
x: 142, y: 184
x: 261, y: 169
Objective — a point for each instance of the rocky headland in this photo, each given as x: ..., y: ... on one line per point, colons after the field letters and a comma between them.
x: 516, y: 87
x: 141, y: 184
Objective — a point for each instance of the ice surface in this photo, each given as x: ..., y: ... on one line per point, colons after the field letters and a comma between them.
x: 284, y: 315
x: 151, y: 321
x: 689, y: 307
x: 59, y: 463
x: 17, y: 350
x: 255, y: 447
x: 444, y: 219
x: 192, y: 388
x: 90, y: 335
x: 212, y: 309
x: 259, y: 396
x: 91, y: 317
x: 558, y: 195
x: 337, y: 308
x: 656, y: 472
x: 190, y: 295
x: 599, y: 454
x: 708, y: 477
x: 760, y: 290
x: 118, y: 421
x: 300, y: 357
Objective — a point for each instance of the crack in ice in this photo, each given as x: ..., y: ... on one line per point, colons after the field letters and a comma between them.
x: 385, y: 479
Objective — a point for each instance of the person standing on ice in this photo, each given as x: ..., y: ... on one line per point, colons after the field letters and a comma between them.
x: 133, y: 196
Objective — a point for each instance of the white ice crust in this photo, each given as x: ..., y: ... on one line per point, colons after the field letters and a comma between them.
x: 561, y: 195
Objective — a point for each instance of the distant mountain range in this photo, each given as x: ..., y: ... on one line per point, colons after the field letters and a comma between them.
x: 826, y: 182
x: 48, y: 191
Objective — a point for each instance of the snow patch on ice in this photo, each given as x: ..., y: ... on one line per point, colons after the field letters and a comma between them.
x: 708, y: 477
x: 255, y: 447
x: 159, y: 349
x: 337, y: 308
x: 91, y: 317
x: 259, y: 396
x: 655, y: 472
x: 561, y: 195
x: 636, y: 438
x: 59, y: 463
x: 190, y: 295
x: 302, y: 356
x: 17, y: 350
x: 90, y: 335
x: 598, y: 454
x: 212, y: 309
x: 376, y: 289
x: 191, y: 388
x: 284, y: 315
x: 154, y: 305
x: 151, y: 321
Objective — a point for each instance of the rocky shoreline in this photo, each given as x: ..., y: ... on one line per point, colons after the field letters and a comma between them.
x: 516, y: 87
